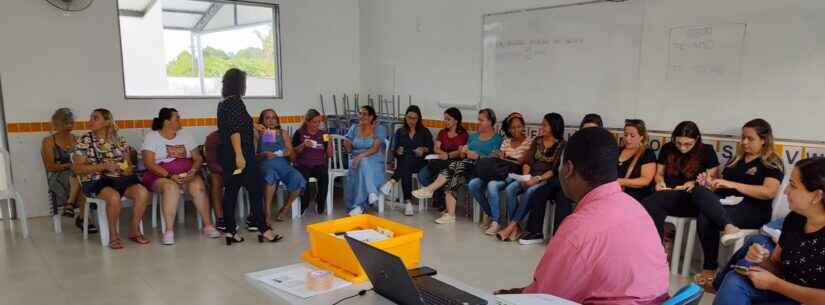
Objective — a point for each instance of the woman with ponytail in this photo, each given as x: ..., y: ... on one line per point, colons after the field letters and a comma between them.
x: 173, y: 164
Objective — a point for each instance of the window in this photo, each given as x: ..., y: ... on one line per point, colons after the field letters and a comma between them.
x: 181, y: 48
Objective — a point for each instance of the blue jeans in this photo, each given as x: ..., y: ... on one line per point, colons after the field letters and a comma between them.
x: 514, y: 189
x: 487, y: 195
x: 733, y: 288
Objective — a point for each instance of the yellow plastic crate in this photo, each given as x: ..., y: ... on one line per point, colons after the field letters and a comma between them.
x: 331, y: 253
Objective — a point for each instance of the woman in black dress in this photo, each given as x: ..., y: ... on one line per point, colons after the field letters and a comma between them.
x: 237, y: 158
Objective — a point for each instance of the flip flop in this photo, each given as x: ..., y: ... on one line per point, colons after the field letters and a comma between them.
x: 139, y: 239
x: 116, y: 244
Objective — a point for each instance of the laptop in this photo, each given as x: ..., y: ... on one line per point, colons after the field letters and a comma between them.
x: 391, y: 280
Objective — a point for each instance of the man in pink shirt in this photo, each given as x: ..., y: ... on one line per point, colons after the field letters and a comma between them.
x: 608, y: 251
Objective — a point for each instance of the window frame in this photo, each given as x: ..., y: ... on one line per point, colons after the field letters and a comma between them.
x: 276, y: 31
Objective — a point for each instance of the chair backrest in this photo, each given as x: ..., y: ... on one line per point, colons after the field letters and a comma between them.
x: 780, y: 202
x: 690, y: 294
x: 336, y: 161
x: 6, y: 183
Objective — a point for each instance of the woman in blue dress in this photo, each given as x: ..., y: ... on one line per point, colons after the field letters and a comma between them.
x: 273, y: 152
x: 366, y: 168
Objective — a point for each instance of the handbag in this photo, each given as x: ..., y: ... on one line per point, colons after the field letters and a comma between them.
x: 489, y: 169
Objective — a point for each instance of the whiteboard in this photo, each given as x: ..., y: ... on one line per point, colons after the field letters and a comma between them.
x: 719, y: 63
x: 572, y: 59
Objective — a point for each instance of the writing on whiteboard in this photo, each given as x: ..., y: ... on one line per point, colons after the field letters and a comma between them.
x: 527, y: 49
x: 706, y: 52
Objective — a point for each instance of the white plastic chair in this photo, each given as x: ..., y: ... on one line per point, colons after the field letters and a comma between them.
x: 8, y: 192
x: 102, y: 219
x: 682, y: 224
x: 336, y: 167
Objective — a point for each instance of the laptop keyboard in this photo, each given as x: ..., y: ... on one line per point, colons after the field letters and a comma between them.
x: 432, y: 298
x: 435, y: 292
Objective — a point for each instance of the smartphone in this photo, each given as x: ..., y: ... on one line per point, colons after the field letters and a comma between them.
x: 741, y: 268
x: 422, y: 271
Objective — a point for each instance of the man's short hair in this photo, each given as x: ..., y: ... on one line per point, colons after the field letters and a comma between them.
x: 594, y: 154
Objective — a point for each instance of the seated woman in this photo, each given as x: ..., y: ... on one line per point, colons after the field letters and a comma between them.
x: 101, y: 163
x: 447, y: 146
x: 793, y: 272
x: 312, y: 150
x: 591, y: 120
x: 273, y: 150
x: 173, y: 165
x: 748, y: 185
x: 480, y: 144
x: 637, y: 163
x: 56, y: 151
x: 411, y: 143
x: 541, y: 163
x: 513, y: 149
x: 366, y: 169
x: 215, y: 177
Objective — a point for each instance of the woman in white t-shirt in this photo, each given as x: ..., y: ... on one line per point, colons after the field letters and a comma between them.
x: 173, y: 162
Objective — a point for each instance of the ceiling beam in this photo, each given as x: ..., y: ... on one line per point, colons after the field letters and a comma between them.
x: 168, y: 10
x: 206, y: 18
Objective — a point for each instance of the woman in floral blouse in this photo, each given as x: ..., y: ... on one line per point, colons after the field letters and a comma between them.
x: 101, y: 161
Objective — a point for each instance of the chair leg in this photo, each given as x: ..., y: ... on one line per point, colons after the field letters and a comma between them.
x: 689, y: 246
x: 162, y: 221
x: 476, y: 211
x: 21, y: 214
x: 86, y: 208
x: 102, y: 221
x: 155, y: 199
x: 56, y: 222
x: 181, y: 210
x: 678, y: 240
x: 330, y: 195
x: 296, y: 208
x: 381, y: 200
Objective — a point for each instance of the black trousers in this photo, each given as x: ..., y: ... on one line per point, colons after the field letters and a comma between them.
x: 405, y: 167
x: 321, y: 174
x: 550, y: 193
x: 252, y: 180
x: 711, y: 217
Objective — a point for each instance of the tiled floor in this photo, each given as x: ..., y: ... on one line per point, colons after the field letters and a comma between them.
x: 52, y: 269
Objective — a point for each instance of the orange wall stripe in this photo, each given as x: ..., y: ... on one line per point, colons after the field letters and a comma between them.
x: 24, y: 127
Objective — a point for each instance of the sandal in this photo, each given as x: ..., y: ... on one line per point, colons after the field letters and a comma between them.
x: 68, y: 211
x: 116, y: 244
x: 705, y: 280
x: 140, y: 239
x: 276, y: 238
x: 515, y: 235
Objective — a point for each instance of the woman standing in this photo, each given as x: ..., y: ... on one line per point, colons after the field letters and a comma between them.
x: 412, y: 142
x: 365, y: 142
x: 56, y: 151
x: 101, y: 161
x: 273, y: 151
x: 173, y: 165
x: 237, y: 158
x: 312, y: 150
x: 637, y: 163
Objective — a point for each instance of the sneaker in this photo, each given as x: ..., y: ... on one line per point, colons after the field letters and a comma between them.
x: 356, y: 211
x: 531, y: 239
x: 729, y: 239
x: 386, y: 189
x: 373, y: 199
x: 220, y: 225
x: 250, y: 225
x: 168, y: 238
x: 445, y: 219
x: 408, y: 209
x: 211, y: 232
x: 493, y: 229
x: 422, y: 194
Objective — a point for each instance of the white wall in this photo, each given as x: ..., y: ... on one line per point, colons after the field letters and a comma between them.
x: 434, y: 46
x: 48, y: 60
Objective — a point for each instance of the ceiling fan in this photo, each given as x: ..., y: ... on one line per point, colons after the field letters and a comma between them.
x: 71, y: 5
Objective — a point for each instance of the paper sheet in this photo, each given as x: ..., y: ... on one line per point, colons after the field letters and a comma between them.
x: 520, y: 178
x: 431, y: 157
x: 292, y: 279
